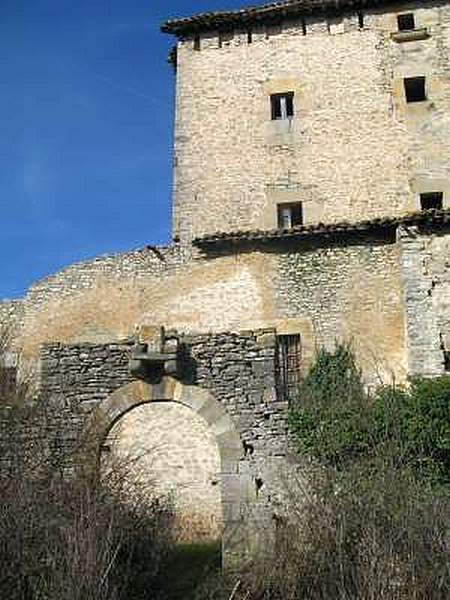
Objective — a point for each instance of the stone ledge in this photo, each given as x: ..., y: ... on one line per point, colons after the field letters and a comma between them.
x: 410, y: 36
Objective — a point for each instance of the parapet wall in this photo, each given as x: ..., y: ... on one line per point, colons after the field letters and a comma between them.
x: 375, y: 290
x: 135, y: 265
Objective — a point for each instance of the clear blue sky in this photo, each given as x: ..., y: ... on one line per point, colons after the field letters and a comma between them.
x: 86, y: 105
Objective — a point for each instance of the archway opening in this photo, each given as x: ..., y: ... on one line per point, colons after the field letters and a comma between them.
x: 170, y: 452
x: 217, y: 425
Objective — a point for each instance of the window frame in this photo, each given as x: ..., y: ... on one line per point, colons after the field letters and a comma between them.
x: 282, y: 106
x: 293, y: 222
x: 288, y: 366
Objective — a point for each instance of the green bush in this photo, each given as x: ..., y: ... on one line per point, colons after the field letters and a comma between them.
x: 336, y: 422
x: 330, y: 419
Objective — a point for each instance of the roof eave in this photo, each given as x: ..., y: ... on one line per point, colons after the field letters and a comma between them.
x: 263, y: 14
x: 433, y: 217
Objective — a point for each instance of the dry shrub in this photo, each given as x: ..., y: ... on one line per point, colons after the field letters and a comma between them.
x: 373, y: 523
x: 373, y: 536
x: 80, y: 538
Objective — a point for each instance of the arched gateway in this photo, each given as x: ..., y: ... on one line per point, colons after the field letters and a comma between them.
x: 220, y: 424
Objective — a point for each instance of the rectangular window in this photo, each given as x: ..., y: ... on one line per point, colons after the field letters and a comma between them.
x: 415, y: 89
x: 431, y: 201
x: 282, y: 106
x: 197, y: 43
x: 290, y: 215
x: 406, y: 22
x: 288, y: 366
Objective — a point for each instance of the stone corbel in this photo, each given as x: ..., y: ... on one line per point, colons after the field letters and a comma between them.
x: 155, y: 354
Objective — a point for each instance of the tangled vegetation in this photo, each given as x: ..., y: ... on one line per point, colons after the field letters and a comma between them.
x: 336, y: 422
x: 374, y: 522
x: 371, y: 521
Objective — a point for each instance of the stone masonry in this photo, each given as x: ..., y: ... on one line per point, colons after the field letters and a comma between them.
x: 369, y: 264
x: 239, y: 373
x: 354, y: 149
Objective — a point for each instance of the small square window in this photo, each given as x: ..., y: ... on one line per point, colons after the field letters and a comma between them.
x: 406, y: 22
x: 431, y: 201
x: 282, y: 106
x: 290, y: 215
x: 415, y: 89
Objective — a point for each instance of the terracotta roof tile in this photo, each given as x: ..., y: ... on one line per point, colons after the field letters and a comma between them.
x: 429, y: 217
x: 265, y: 13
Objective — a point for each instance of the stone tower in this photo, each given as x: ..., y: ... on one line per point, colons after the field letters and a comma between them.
x: 310, y: 111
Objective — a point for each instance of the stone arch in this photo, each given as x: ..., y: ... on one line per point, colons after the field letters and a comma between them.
x: 203, y: 403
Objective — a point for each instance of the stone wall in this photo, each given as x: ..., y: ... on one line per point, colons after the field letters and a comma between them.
x: 426, y: 275
x: 135, y: 265
x: 104, y: 299
x: 323, y: 290
x: 354, y: 148
x: 237, y: 369
x: 350, y: 292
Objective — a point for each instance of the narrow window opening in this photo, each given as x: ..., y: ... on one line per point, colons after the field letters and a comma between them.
x: 431, y: 201
x: 282, y: 106
x: 248, y: 448
x: 361, y: 19
x: 197, y: 43
x: 290, y: 215
x: 304, y: 30
x: 447, y: 361
x: 249, y: 36
x: 288, y: 366
x: 406, y: 22
x: 415, y: 89
x: 259, y: 483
